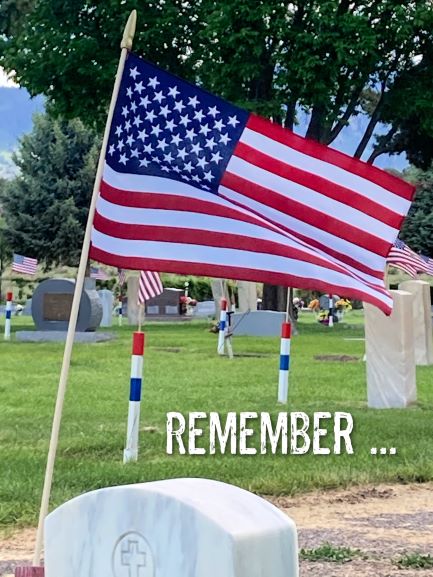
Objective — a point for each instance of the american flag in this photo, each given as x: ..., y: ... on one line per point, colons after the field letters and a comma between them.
x: 404, y: 258
x: 195, y: 185
x: 122, y: 276
x: 149, y: 286
x: 24, y: 264
x: 428, y: 262
x: 98, y: 273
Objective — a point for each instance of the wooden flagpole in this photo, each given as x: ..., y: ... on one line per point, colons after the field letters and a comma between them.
x: 125, y: 46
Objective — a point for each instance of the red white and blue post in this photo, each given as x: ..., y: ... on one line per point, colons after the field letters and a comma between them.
x: 331, y: 312
x: 283, y: 382
x: 222, y: 327
x: 8, y: 315
x: 131, y: 450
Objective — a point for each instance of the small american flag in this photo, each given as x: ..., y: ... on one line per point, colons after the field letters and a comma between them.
x: 24, y: 264
x: 428, y: 264
x: 149, y: 286
x: 122, y: 276
x: 98, y: 273
x: 404, y: 258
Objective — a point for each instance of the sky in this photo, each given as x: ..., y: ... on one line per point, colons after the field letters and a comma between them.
x: 5, y: 81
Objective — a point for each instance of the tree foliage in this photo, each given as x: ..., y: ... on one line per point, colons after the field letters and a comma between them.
x: 46, y: 205
x: 417, y: 230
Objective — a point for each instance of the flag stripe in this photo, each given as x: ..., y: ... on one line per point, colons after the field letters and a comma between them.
x: 343, y: 167
x: 322, y: 186
x: 112, y: 250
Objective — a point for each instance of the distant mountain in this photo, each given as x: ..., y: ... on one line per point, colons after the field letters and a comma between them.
x: 16, y: 111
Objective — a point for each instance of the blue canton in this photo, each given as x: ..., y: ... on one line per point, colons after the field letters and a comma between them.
x: 164, y: 126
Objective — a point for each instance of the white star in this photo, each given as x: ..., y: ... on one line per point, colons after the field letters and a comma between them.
x: 184, y: 120
x: 156, y: 130
x: 134, y: 153
x: 196, y: 178
x: 128, y: 125
x: 165, y: 168
x: 122, y: 159
x: 233, y: 121
x: 210, y: 143
x: 119, y: 130
x: 129, y: 92
x: 162, y: 144
x: 165, y: 111
x: 148, y: 148
x: 179, y: 106
x: 193, y: 101
x: 205, y: 129
x: 111, y: 150
x: 144, y: 101
x: 213, y: 111
x: 133, y: 107
x: 175, y: 139
x: 219, y: 125
x: 170, y: 125
x: 168, y: 157
x: 142, y: 135
x: 137, y: 121
x: 124, y: 111
x: 208, y: 176
x: 159, y: 96
x: 150, y: 115
x: 182, y: 153
x: 139, y: 87
x: 129, y: 140
x: 153, y: 82
x: 144, y: 162
x: 176, y: 169
x: 173, y: 91
x: 224, y: 138
x: 120, y: 145
x: 201, y: 162
x: 216, y: 157
x: 188, y: 167
x: 134, y: 73
x: 156, y: 159
x: 198, y: 115
x: 195, y: 148
x: 191, y: 133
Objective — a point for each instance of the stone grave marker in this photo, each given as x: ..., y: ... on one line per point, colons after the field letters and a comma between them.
x: 422, y: 319
x: 258, y: 323
x: 172, y: 528
x: 107, y: 301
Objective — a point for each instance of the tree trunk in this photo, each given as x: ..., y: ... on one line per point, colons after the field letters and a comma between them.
x: 274, y: 297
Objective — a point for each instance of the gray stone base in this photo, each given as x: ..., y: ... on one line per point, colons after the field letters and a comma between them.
x: 258, y: 323
x: 59, y: 336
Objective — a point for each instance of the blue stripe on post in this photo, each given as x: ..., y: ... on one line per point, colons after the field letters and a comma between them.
x: 222, y: 325
x: 135, y: 390
x: 8, y: 314
x: 284, y: 362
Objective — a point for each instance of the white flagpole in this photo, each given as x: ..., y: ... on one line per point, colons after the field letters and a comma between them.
x: 126, y: 46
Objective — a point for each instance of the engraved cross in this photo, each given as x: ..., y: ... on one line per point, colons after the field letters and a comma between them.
x: 133, y: 558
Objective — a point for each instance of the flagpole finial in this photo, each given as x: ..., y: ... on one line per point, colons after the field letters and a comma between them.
x: 128, y: 33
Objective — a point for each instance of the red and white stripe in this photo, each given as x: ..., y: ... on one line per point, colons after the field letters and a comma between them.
x: 408, y: 260
x: 222, y: 327
x: 8, y: 315
x: 149, y: 286
x: 298, y: 214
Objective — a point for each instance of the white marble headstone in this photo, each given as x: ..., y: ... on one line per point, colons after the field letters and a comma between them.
x: 422, y: 319
x: 172, y: 528
x: 107, y: 300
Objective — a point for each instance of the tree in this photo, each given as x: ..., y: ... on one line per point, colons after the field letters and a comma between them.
x: 417, y: 229
x: 334, y: 59
x: 4, y: 248
x: 46, y: 205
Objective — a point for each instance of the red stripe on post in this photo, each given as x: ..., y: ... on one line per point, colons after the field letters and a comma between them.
x: 286, y: 330
x: 138, y: 343
x: 223, y: 304
x: 9, y: 296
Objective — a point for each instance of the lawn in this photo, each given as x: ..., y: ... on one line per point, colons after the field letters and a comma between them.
x: 183, y: 373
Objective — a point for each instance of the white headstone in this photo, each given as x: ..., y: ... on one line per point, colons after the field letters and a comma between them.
x: 247, y: 296
x: 422, y: 320
x: 172, y: 528
x: 390, y: 354
x: 107, y: 300
x: 258, y: 323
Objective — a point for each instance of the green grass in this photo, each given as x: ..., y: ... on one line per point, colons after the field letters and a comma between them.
x: 414, y: 561
x: 194, y: 379
x: 327, y: 552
